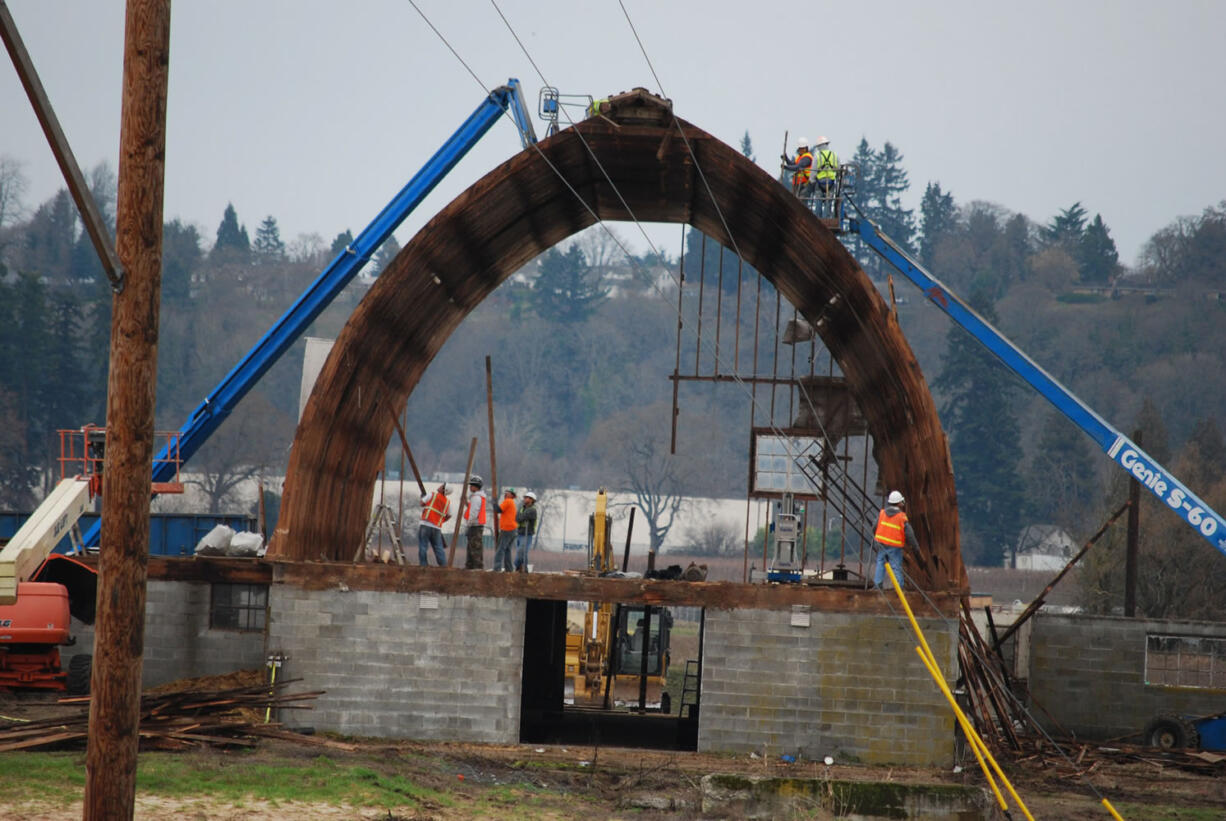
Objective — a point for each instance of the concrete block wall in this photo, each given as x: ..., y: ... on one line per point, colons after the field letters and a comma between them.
x: 178, y: 640
x: 847, y: 685
x: 1088, y: 672
x: 395, y: 665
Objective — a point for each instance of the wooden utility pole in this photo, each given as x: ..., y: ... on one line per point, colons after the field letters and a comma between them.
x: 1133, y: 542
x: 110, y: 761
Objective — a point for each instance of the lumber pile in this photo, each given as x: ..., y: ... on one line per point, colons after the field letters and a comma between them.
x: 226, y: 717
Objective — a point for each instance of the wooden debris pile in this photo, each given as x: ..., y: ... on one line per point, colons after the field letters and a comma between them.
x: 232, y: 716
x: 1078, y: 759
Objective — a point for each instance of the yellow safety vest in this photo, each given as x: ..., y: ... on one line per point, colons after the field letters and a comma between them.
x: 827, y: 165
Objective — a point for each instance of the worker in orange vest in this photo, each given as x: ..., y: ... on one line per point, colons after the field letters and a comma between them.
x: 508, y: 528
x: 801, y: 168
x: 892, y: 533
x: 435, y: 509
x: 474, y: 515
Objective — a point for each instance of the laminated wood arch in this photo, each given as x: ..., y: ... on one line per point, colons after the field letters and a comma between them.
x: 523, y: 208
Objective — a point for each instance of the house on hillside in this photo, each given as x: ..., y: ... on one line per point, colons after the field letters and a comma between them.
x: 1043, y: 547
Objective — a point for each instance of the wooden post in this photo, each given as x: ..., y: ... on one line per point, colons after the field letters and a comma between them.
x: 643, y: 659
x: 1134, y: 535
x: 468, y: 472
x: 404, y: 443
x: 629, y: 533
x: 489, y: 401
x: 110, y: 760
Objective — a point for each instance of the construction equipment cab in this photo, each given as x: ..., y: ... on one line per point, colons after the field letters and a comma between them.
x: 39, y: 590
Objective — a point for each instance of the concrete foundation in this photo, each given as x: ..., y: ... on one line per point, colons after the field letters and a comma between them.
x: 815, y: 684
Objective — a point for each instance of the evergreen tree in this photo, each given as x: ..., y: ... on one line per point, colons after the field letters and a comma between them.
x: 1097, y: 259
x: 1058, y: 481
x: 386, y: 253
x: 703, y: 257
x: 985, y: 442
x: 49, y: 239
x: 180, y: 258
x: 938, y: 218
x: 865, y: 160
x: 232, y: 241
x: 342, y: 241
x: 891, y: 183
x: 566, y: 289
x: 747, y: 147
x: 268, y: 245
x: 1066, y: 228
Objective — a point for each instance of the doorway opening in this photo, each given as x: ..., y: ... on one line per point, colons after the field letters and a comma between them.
x: 625, y: 675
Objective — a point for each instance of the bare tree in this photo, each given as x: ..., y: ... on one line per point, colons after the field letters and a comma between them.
x: 247, y: 444
x: 13, y: 186
x: 635, y: 444
x: 713, y: 538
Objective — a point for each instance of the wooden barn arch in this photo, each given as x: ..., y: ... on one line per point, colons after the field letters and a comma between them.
x: 522, y: 208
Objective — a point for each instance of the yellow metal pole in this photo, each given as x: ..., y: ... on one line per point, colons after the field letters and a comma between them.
x: 930, y: 661
x: 1111, y: 810
x: 966, y: 728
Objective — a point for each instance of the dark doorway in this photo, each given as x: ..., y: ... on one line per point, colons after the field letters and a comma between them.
x: 547, y: 717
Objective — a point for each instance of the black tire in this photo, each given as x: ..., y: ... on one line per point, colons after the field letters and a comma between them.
x: 1170, y: 732
x: 80, y: 669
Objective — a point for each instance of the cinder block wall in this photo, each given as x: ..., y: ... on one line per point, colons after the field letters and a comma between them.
x: 423, y: 666
x: 1088, y: 672
x: 850, y: 686
x: 178, y: 640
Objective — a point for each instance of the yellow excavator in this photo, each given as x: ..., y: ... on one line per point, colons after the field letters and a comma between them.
x: 622, y: 652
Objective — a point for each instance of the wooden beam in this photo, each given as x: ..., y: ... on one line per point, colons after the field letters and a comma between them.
x: 114, y: 718
x: 576, y: 587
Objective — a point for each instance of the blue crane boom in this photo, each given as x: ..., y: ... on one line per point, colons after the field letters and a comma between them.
x: 209, y: 415
x: 1126, y: 453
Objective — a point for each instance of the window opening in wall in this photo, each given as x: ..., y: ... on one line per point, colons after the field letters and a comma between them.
x: 238, y: 607
x: 1185, y: 661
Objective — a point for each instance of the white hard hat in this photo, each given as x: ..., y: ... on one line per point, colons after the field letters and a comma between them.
x: 802, y: 142
x: 530, y: 495
x: 895, y: 498
x: 823, y: 141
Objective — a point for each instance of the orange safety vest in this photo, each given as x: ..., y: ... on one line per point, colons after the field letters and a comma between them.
x: 801, y: 177
x: 435, y: 509
x: 506, y: 521
x: 480, y: 517
x: 891, y: 530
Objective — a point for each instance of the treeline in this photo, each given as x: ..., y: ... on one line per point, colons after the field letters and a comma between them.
x: 583, y: 340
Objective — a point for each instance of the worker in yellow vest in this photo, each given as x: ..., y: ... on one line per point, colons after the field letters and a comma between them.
x: 435, y: 509
x: 801, y: 168
x: 892, y: 533
x: 825, y: 174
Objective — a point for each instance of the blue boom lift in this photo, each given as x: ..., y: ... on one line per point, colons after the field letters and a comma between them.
x: 319, y: 295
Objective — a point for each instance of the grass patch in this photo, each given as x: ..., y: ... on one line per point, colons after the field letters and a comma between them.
x: 60, y: 778
x: 56, y: 778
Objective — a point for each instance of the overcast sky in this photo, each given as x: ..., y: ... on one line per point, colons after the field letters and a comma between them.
x: 318, y: 112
